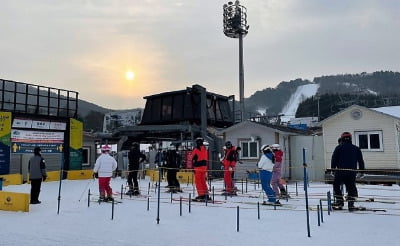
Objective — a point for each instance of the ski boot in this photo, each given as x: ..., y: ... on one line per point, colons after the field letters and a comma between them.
x: 129, y: 192
x: 199, y: 198
x: 284, y: 194
x: 136, y: 193
x: 172, y: 190
x: 232, y: 193
x: 338, y: 205
x: 351, y: 206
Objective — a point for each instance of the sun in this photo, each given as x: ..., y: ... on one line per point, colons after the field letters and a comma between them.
x: 130, y: 75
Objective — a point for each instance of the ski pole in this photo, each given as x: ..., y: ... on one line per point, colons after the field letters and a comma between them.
x: 84, y: 191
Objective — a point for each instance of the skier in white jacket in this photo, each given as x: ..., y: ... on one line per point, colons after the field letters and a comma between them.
x: 103, y: 168
x: 266, y: 164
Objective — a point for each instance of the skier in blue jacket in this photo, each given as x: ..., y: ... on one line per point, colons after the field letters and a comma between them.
x: 266, y: 164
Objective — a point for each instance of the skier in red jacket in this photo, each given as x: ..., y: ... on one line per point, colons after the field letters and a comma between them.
x: 278, y: 188
x: 229, y: 163
x: 199, y: 159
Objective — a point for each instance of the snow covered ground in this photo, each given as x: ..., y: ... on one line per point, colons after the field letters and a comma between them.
x: 302, y: 93
x: 134, y: 223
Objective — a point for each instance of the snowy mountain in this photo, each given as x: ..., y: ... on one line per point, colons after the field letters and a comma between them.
x: 303, y: 92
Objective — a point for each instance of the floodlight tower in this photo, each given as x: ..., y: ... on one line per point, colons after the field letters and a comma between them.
x: 235, y: 26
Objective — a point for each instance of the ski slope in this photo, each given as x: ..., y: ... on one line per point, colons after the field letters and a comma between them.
x: 303, y: 92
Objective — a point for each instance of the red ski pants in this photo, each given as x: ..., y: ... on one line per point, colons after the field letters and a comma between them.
x: 228, y: 179
x: 104, y: 186
x: 228, y: 170
x: 200, y: 175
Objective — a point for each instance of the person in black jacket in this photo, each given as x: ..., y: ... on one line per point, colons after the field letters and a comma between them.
x: 173, y: 165
x: 344, y: 163
x: 135, y: 158
x: 37, y: 173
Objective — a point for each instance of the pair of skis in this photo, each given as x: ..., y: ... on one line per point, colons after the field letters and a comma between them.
x: 360, y: 208
x: 99, y: 201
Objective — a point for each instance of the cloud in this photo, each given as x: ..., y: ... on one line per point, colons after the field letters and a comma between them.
x: 87, y: 45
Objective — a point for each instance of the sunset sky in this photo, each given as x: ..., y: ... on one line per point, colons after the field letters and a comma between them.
x: 89, y: 45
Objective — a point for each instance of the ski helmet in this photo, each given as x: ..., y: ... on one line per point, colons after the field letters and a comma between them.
x: 346, y: 136
x: 228, y: 144
x: 199, y: 141
x: 106, y: 148
x: 276, y: 146
x: 265, y: 147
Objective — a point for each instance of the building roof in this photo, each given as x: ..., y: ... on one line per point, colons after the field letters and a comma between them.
x: 280, y: 128
x: 391, y: 111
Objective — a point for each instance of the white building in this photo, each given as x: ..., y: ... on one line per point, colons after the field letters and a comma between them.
x: 376, y: 131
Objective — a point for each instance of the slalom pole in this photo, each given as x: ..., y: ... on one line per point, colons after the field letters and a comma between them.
x: 88, y: 198
x: 213, y: 195
x: 305, y: 190
x: 190, y: 203
x: 237, y: 218
x: 59, y: 186
x: 158, y: 198
x: 112, y: 210
x: 328, y: 194
x: 180, y: 206
x: 322, y: 213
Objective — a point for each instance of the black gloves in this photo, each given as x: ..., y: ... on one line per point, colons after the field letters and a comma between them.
x: 44, y: 178
x: 95, y: 175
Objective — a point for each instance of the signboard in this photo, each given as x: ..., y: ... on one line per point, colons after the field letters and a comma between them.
x: 76, y: 144
x: 22, y: 123
x: 24, y: 141
x: 39, y: 124
x: 121, y: 119
x: 5, y: 134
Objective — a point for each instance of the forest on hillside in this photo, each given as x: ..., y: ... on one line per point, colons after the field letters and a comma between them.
x: 335, y: 93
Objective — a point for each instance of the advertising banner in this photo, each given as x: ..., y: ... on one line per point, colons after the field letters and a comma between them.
x: 5, y: 135
x: 24, y: 141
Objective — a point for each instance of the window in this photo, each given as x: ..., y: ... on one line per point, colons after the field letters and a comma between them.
x: 86, y: 156
x: 369, y: 140
x: 249, y: 150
